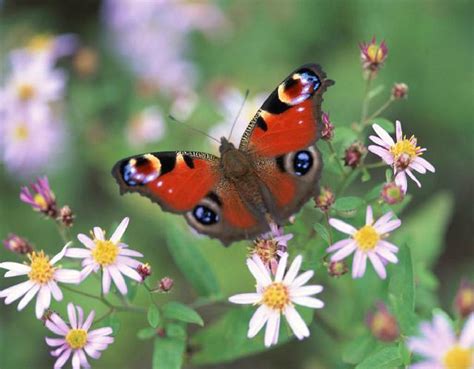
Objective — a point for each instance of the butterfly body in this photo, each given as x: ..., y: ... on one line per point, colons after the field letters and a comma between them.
x: 268, y: 178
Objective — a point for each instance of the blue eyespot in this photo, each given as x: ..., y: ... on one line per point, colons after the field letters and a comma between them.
x: 302, y: 162
x: 204, y: 215
x: 128, y: 173
x: 311, y: 79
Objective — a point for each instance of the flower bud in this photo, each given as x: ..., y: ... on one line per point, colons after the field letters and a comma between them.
x: 337, y: 268
x: 166, y: 284
x: 373, y: 55
x: 41, y: 198
x: 464, y: 301
x: 399, y: 91
x: 66, y: 216
x: 325, y: 199
x: 382, y: 324
x: 17, y: 244
x: 144, y: 270
x: 392, y: 193
x: 86, y: 61
x: 354, y: 153
x: 327, y: 131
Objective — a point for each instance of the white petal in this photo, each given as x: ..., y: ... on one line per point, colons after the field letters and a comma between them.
x: 385, y: 155
x: 342, y: 226
x: 306, y: 290
x: 88, y: 323
x: 383, y: 134
x: 78, y: 253
x: 17, y: 267
x: 61, y: 254
x: 344, y: 252
x: 293, y: 271
x: 379, y: 141
x: 71, y: 311
x: 258, y: 320
x: 15, y: 292
x: 106, y: 281
x: 401, y: 180
x: 378, y: 265
x: 467, y: 335
x: 262, y: 276
x: 297, y: 324
x: 426, y: 164
x: 357, y: 264
x: 67, y: 276
x: 99, y: 234
x: 45, y: 296
x: 412, y: 176
x: 56, y: 292
x: 384, y: 219
x: 126, y: 252
x: 272, y: 328
x: 28, y: 297
x: 76, y: 362
x: 389, y: 246
x: 369, y: 216
x: 120, y: 231
x: 389, y: 226
x: 129, y: 272
x: 15, y: 273
x: 386, y: 254
x: 308, y: 302
x: 86, y: 241
x: 339, y: 244
x: 118, y: 279
x: 302, y: 279
x: 398, y: 130
x: 245, y: 298
x: 281, y: 268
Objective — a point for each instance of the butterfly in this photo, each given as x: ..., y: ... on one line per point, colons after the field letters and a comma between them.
x: 268, y: 178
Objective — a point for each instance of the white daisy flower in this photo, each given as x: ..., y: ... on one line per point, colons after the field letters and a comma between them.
x: 112, y: 256
x: 440, y: 346
x: 403, y: 155
x: 43, y: 277
x: 278, y: 297
x: 76, y: 339
x: 366, y: 242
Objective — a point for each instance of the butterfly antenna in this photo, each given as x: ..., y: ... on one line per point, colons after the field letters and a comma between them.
x: 193, y: 128
x: 238, y: 114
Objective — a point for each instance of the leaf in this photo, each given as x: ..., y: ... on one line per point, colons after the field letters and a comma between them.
x: 385, y: 124
x: 401, y: 291
x: 358, y: 349
x: 191, y: 262
x: 323, y: 232
x: 397, y: 208
x: 365, y: 175
x: 374, y: 193
x: 385, y: 358
x: 146, y: 333
x: 153, y: 316
x: 177, y: 311
x: 168, y: 353
x: 348, y: 203
x: 405, y: 354
x: 113, y: 322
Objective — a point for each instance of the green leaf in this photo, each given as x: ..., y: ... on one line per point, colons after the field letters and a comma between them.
x: 146, y: 333
x: 177, y: 311
x: 385, y: 358
x: 153, y: 316
x: 345, y: 136
x: 405, y: 354
x: 113, y: 322
x: 385, y: 124
x: 189, y: 259
x: 358, y: 349
x: 374, y: 193
x: 401, y: 291
x: 168, y: 353
x: 365, y: 175
x: 348, y: 203
x: 323, y: 232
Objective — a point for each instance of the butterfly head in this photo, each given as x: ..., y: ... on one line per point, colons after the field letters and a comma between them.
x: 226, y: 146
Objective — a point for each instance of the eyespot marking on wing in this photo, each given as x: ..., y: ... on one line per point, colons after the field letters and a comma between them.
x: 141, y: 170
x: 299, y: 87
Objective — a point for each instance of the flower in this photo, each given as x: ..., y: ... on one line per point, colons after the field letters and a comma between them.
x: 66, y: 216
x: 403, y: 155
x: 17, y: 244
x: 144, y: 270
x: 366, y: 242
x: 166, y: 284
x: 325, y: 199
x: 42, y: 199
x: 440, y: 346
x: 230, y: 102
x: 464, y: 301
x: 278, y: 297
x: 327, y: 132
x: 112, y: 256
x: 399, y: 91
x: 271, y: 246
x: 76, y: 338
x: 146, y: 127
x: 43, y: 277
x: 373, y: 55
x: 382, y: 324
x: 392, y: 193
x: 353, y: 154
x: 337, y: 268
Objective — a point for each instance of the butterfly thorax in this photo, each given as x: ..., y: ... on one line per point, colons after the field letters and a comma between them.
x: 234, y: 162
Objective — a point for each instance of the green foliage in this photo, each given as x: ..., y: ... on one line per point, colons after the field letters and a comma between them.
x: 153, y: 316
x: 177, y: 311
x: 384, y: 358
x: 168, y: 352
x: 347, y: 204
x: 385, y: 124
x: 358, y: 349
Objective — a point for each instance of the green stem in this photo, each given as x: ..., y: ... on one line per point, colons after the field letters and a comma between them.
x: 199, y: 303
x: 365, y: 100
x: 109, y: 312
x: 328, y: 228
x: 379, y: 164
x: 377, y: 112
x: 339, y: 164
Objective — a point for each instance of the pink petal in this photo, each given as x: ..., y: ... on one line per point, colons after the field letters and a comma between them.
x: 401, y: 180
x: 339, y: 244
x: 342, y: 226
x: 398, y: 130
x: 57, y: 294
x: 412, y: 176
x: 59, y: 324
x: 383, y: 134
x: 86, y: 241
x: 467, y: 335
x: 418, y: 167
x: 133, y: 253
x: 389, y: 246
x: 78, y: 253
x: 117, y: 235
x: 118, y: 279
x: 377, y: 264
x: 106, y: 281
x: 379, y: 141
x: 54, y: 342
x: 76, y: 362
x: 62, y: 359
x: 425, y: 164
x: 386, y: 254
x: 88, y: 323
x: 369, y: 216
x: 83, y: 359
x: 389, y: 226
x: 344, y: 252
x: 71, y: 311
x: 384, y: 219
x: 100, y: 332
x: 383, y: 153
x: 129, y: 272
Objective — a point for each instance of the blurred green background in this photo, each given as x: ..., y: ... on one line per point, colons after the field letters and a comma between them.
x: 430, y: 49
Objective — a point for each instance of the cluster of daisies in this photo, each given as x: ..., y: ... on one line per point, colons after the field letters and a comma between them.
x: 31, y: 120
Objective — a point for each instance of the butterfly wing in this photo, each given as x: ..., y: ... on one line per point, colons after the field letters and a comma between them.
x: 191, y: 184
x: 281, y: 136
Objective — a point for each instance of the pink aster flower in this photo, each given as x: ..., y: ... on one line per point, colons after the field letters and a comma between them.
x: 403, y: 155
x: 76, y: 338
x: 373, y: 55
x: 111, y: 256
x: 366, y: 242
x: 41, y: 198
x: 441, y: 347
x: 43, y: 277
x: 277, y: 297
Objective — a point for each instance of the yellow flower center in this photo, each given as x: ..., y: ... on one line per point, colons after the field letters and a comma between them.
x: 105, y: 252
x: 458, y: 358
x: 375, y: 53
x: 40, y: 43
x: 467, y: 297
x: 76, y: 338
x: 405, y: 147
x: 26, y: 91
x: 366, y: 238
x: 41, y: 270
x: 265, y: 249
x: 276, y: 296
x: 40, y: 201
x: 21, y: 132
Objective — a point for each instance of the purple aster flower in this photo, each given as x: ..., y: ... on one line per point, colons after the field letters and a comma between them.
x: 41, y: 198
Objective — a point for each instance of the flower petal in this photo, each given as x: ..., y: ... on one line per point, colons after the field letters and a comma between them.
x: 281, y: 267
x: 15, y: 292
x: 378, y: 265
x: 67, y: 276
x: 377, y: 140
x: 61, y: 254
x: 401, y: 180
x: 245, y: 298
x: 398, y: 130
x: 258, y: 320
x: 382, y: 133
x: 308, y: 302
x: 386, y: 254
x: 106, y: 281
x: 86, y: 241
x: 28, y: 297
x: 62, y: 359
x: 118, y: 279
x: 369, y: 216
x: 293, y: 271
x: 342, y: 226
x: 302, y: 279
x: 88, y: 323
x: 467, y: 335
x: 78, y: 253
x: 344, y: 252
x: 384, y: 219
x: 297, y: 324
x: 99, y: 234
x: 385, y: 155
x: 71, y: 311
x: 389, y: 226
x: 306, y: 290
x: 262, y: 276
x: 425, y: 163
x: 272, y: 328
x: 412, y: 176
x: 339, y: 244
x: 117, y: 235
x: 17, y: 267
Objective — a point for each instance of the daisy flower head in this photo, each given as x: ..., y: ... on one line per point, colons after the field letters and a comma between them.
x: 76, y: 338
x: 403, y: 155
x: 43, y: 277
x: 366, y: 242
x: 277, y: 297
x: 441, y: 347
x: 111, y: 256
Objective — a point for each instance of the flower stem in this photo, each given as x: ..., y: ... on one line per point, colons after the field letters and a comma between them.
x: 339, y: 164
x: 379, y: 164
x: 365, y: 100
x: 328, y: 228
x: 387, y: 103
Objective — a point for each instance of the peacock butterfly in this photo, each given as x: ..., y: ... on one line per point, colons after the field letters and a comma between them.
x: 268, y: 178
